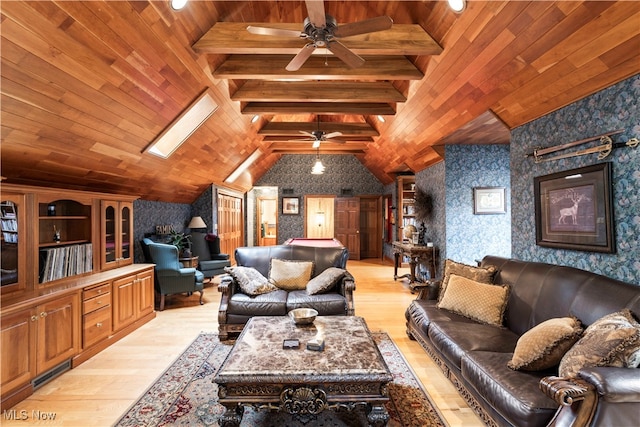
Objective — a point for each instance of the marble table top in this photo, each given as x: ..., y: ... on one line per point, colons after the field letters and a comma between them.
x: 349, y: 354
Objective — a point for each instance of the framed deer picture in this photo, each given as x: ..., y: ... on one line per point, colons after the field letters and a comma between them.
x: 574, y: 209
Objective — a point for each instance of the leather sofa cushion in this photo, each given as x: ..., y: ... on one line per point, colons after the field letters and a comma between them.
x: 269, y: 304
x: 513, y: 394
x: 423, y: 312
x: 455, y: 338
x: 330, y: 304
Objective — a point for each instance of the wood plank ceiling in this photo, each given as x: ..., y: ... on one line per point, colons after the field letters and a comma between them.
x: 87, y: 85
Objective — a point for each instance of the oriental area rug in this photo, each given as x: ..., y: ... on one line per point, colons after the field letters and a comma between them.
x: 185, y: 394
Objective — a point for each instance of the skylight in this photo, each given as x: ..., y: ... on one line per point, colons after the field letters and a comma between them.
x: 182, y: 127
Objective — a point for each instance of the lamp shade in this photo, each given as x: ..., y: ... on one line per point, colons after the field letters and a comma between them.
x: 197, y: 222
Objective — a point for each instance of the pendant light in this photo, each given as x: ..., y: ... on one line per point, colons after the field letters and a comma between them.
x: 318, y: 167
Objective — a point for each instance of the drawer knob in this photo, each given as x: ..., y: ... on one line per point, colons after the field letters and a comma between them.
x: 43, y: 314
x: 34, y: 318
x: 98, y: 302
x: 99, y: 325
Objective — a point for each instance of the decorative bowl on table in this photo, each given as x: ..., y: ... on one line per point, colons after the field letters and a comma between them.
x: 303, y: 316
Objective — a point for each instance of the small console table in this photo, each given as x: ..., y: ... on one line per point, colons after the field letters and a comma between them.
x: 415, y: 253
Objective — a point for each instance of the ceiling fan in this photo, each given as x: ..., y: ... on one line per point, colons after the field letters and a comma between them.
x: 317, y: 136
x: 323, y: 31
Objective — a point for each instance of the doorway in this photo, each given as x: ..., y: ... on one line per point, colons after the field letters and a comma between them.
x: 267, y: 213
x: 319, y: 216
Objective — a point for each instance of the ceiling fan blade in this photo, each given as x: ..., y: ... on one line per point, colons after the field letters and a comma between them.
x: 380, y: 23
x: 265, y: 31
x: 333, y: 135
x: 341, y: 51
x: 315, y: 9
x: 301, y: 57
x: 307, y: 133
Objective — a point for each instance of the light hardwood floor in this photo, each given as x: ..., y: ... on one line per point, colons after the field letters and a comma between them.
x: 100, y: 390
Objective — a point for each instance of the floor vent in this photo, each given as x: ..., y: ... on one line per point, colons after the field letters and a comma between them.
x: 51, y: 374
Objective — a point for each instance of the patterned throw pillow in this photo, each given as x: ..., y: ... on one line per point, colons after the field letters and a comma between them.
x: 250, y: 280
x: 325, y: 281
x: 475, y: 300
x: 478, y: 274
x: 290, y: 275
x: 543, y: 346
x: 612, y: 340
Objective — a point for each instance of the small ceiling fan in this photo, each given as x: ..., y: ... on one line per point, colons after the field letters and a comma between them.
x: 317, y: 136
x: 323, y: 31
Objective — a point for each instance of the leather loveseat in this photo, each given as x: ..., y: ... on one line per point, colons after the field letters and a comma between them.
x: 475, y: 356
x: 236, y: 307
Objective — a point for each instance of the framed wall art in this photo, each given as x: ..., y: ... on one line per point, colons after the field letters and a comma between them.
x: 489, y: 200
x: 290, y: 205
x: 574, y: 209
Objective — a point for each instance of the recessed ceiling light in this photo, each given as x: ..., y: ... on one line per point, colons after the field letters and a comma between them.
x: 255, y: 118
x: 381, y: 119
x: 178, y: 4
x: 457, y: 5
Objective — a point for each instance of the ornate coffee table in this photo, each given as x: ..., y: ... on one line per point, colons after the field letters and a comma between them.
x: 349, y: 373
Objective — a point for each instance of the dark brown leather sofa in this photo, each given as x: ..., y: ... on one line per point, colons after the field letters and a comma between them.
x: 236, y: 308
x: 474, y: 356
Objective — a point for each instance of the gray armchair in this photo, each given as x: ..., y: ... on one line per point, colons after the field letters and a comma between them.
x: 171, y: 277
x: 210, y: 261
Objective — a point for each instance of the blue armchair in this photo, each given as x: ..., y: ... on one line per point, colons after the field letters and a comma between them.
x: 171, y: 277
x: 210, y: 261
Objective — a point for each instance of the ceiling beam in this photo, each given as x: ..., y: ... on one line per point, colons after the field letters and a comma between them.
x: 233, y: 37
x: 248, y: 67
x: 367, y: 109
x: 294, y: 128
x: 324, y: 91
x: 298, y: 138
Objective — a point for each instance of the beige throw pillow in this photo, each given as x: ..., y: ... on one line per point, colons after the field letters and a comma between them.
x: 543, y: 346
x: 290, y: 275
x: 250, y: 280
x: 478, y: 274
x: 325, y: 281
x: 613, y: 340
x: 475, y: 300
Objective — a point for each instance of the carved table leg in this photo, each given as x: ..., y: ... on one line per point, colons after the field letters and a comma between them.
x: 396, y: 259
x: 377, y: 416
x: 413, y: 261
x: 232, y: 416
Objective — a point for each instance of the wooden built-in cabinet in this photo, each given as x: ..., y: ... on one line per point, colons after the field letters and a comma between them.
x: 117, y: 234
x: 133, y: 299
x: 69, y: 285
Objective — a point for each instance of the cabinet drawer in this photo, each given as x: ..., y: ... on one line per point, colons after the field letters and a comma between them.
x: 94, y: 292
x: 89, y: 305
x: 96, y: 326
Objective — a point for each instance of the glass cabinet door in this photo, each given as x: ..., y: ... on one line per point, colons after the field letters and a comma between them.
x: 126, y: 227
x: 12, y: 224
x: 110, y: 234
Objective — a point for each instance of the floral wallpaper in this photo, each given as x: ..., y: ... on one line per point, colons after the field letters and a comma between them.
x: 294, y: 172
x: 610, y: 109
x: 147, y: 214
x: 470, y: 237
x: 432, y: 181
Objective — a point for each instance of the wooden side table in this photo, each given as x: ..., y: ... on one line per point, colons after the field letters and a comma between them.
x: 415, y: 253
x: 189, y: 262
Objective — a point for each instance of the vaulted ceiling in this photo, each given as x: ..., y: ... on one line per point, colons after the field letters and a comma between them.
x: 87, y: 85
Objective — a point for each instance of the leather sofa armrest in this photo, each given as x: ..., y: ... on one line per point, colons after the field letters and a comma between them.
x: 227, y: 285
x: 619, y: 385
x: 347, y: 286
x: 566, y: 391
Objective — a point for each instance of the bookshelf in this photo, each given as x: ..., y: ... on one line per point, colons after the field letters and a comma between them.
x: 406, y: 207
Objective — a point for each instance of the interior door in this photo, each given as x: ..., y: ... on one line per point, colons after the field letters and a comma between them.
x: 347, y: 224
x: 319, y: 214
x: 267, y: 213
x: 230, y: 222
x: 370, y: 227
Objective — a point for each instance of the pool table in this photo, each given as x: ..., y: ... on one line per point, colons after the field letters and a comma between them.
x: 318, y: 242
